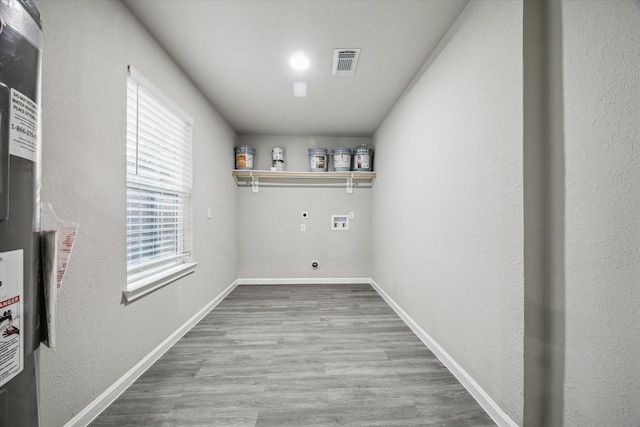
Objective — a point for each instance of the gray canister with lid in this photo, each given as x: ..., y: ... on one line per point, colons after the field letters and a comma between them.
x: 362, y: 159
x: 244, y: 157
x: 341, y: 159
x: 318, y: 159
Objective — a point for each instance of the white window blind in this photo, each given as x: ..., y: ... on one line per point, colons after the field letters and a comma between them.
x: 159, y: 219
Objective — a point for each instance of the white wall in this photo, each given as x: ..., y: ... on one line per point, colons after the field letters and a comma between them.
x: 441, y: 231
x: 602, y: 134
x: 88, y: 46
x: 449, y: 163
x: 271, y: 244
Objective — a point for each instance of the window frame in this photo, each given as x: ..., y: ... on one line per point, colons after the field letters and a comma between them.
x: 175, y: 236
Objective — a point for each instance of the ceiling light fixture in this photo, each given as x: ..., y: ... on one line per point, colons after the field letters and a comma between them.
x: 299, y: 61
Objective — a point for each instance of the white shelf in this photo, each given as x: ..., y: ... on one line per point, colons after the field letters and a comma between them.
x: 348, y: 180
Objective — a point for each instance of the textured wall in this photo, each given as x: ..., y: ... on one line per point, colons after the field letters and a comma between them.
x: 602, y: 132
x: 449, y: 162
x: 446, y: 228
x: 88, y: 46
x: 271, y: 244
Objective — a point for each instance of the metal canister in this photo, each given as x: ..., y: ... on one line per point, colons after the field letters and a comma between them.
x: 318, y: 159
x: 244, y: 157
x: 341, y: 159
x: 362, y: 158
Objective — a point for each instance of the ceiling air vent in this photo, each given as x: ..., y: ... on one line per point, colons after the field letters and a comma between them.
x: 344, y: 62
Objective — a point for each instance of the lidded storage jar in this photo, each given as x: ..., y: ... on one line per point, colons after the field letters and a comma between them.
x: 341, y: 159
x: 318, y: 159
x: 244, y: 157
x: 362, y: 158
x: 277, y: 159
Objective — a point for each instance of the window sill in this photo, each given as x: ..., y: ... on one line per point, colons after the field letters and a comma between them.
x: 149, y: 284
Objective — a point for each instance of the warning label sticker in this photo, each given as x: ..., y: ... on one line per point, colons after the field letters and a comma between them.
x: 23, y: 131
x: 11, y: 300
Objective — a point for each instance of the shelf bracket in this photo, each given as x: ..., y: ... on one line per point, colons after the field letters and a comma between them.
x: 254, y: 184
x: 350, y: 184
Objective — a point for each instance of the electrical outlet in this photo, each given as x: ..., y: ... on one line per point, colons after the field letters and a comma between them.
x: 303, y: 227
x: 352, y: 215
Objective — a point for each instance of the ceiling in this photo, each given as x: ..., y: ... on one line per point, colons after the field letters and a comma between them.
x: 237, y: 53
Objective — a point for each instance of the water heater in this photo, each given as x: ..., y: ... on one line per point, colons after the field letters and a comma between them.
x: 20, y: 152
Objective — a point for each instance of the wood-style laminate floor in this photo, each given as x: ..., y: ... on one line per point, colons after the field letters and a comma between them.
x: 290, y: 355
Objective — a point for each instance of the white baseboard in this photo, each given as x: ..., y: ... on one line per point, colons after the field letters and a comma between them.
x: 488, y: 404
x: 305, y: 281
x: 101, y: 403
